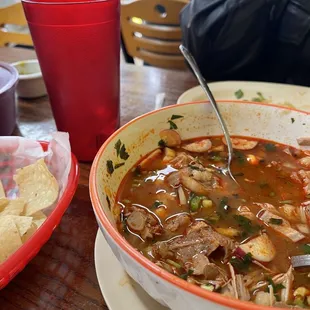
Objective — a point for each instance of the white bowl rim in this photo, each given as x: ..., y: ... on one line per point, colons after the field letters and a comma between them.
x: 137, y: 256
x: 31, y: 75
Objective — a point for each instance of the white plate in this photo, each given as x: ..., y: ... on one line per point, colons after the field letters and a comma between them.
x: 290, y: 95
x: 118, y: 289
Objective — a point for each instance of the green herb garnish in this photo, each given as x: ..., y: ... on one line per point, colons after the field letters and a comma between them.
x: 108, y: 201
x: 260, y: 97
x: 270, y: 147
x: 110, y: 167
x: 161, y: 143
x: 275, y: 221
x: 156, y: 204
x: 239, y: 174
x: 184, y: 276
x: 172, y: 125
x: 117, y: 146
x: 223, y: 206
x: 242, y: 264
x: 240, y: 157
x: 213, y: 219
x: 176, y: 116
x: 276, y: 287
x: 195, y: 202
x: 123, y: 154
x: 193, y: 167
x: 119, y: 165
x: 292, y: 120
x: 239, y: 94
x: 246, y: 224
x: 306, y: 248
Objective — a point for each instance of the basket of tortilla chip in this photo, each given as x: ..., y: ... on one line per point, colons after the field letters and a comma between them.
x: 38, y: 181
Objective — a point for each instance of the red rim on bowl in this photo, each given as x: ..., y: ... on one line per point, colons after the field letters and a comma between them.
x: 18, y: 260
x: 137, y: 256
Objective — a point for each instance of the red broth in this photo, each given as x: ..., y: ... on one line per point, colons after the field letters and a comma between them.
x: 186, y: 217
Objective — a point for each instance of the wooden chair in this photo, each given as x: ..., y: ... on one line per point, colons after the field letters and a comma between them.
x: 151, y: 32
x: 13, y: 15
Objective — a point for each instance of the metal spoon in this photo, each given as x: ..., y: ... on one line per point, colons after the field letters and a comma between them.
x: 190, y: 59
x: 300, y: 261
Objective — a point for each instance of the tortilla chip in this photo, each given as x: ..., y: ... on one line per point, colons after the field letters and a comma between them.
x: 38, y: 218
x: 37, y: 186
x: 2, y: 192
x: 11, y: 207
x: 22, y: 223
x: 29, y: 232
x: 10, y: 239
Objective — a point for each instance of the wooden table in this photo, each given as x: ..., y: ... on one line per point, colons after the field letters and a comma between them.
x: 62, y: 275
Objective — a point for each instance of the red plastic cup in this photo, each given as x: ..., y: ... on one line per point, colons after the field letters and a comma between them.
x: 78, y: 45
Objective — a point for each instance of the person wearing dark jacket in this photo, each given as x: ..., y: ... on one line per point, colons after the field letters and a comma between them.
x: 258, y: 40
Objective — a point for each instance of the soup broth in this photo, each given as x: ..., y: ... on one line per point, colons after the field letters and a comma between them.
x: 180, y: 212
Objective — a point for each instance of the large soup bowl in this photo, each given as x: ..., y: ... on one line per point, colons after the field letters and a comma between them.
x: 141, y: 136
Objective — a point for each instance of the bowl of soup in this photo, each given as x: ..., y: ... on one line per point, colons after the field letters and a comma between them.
x: 189, y: 235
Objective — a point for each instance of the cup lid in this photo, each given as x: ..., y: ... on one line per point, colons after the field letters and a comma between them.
x: 8, y: 76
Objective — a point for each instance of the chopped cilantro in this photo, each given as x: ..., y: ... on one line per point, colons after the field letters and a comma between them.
x: 239, y: 94
x: 117, y: 146
x: 172, y: 125
x: 119, y: 165
x: 240, y: 157
x: 259, y: 98
x: 246, y: 224
x: 184, y: 276
x: 176, y: 116
x: 242, y: 264
x: 123, y: 154
x: 275, y: 221
x: 161, y: 143
x: 306, y: 248
x: 270, y: 147
x: 110, y: 167
x: 156, y: 204
x: 276, y: 287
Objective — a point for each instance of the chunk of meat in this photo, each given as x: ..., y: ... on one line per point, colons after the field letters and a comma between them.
x: 143, y: 222
x: 200, y: 238
x: 305, y: 177
x: 240, y: 290
x: 177, y: 221
x: 241, y: 144
x: 304, y: 141
x: 200, y: 146
x: 201, y: 181
x: 181, y: 160
x: 286, y: 292
x: 268, y: 207
x: 305, y: 161
x: 246, y: 212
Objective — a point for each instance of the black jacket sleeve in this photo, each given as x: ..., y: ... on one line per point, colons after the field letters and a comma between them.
x: 265, y: 40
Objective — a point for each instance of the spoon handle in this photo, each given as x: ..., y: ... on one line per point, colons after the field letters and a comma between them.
x: 190, y: 59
